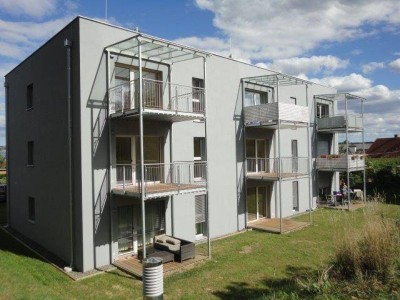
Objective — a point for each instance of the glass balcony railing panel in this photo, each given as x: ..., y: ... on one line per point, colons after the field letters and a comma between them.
x: 263, y: 114
x: 340, y: 122
x: 341, y: 162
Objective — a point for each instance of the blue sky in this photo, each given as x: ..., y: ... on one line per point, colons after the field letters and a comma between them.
x: 352, y: 45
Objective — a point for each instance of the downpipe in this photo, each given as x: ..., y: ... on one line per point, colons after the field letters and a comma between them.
x: 68, y: 45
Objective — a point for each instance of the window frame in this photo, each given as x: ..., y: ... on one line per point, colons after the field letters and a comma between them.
x: 30, y: 153
x: 29, y: 97
x: 31, y: 209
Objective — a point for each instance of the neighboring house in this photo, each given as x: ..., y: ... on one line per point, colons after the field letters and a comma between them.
x: 354, y: 148
x: 385, y: 147
x: 114, y: 118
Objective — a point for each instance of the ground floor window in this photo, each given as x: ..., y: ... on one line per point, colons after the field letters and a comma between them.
x: 201, y: 220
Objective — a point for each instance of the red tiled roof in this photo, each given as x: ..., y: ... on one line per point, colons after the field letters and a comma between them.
x: 385, y: 147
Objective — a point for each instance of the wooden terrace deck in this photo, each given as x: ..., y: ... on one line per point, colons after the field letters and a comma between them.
x: 273, y: 225
x: 132, y: 265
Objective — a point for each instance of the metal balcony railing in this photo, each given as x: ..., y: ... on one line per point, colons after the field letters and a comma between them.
x: 340, y: 121
x: 275, y: 167
x: 341, y: 162
x: 160, y: 177
x: 157, y: 95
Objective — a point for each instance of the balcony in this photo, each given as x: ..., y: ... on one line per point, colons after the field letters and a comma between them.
x: 270, y: 169
x: 270, y: 114
x: 161, y: 179
x: 340, y: 163
x: 161, y: 100
x: 354, y: 123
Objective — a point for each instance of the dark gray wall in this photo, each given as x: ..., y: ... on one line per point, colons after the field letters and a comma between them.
x: 46, y: 125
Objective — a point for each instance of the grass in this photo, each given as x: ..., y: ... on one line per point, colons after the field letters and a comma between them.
x: 252, y: 265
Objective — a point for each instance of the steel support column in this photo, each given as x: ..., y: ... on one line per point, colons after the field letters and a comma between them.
x: 142, y: 188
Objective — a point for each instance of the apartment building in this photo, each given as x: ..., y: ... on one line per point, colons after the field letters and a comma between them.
x: 115, y: 136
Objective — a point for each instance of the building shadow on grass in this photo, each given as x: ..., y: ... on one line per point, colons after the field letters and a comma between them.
x: 10, y: 244
x: 272, y: 287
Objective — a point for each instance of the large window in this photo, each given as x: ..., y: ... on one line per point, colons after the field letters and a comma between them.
x: 155, y: 221
x: 31, y: 209
x: 255, y: 98
x: 201, y: 212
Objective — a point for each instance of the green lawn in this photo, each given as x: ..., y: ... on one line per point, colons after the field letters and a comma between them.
x: 251, y: 265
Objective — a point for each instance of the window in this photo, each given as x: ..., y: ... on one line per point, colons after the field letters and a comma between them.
x: 293, y: 100
x: 295, y: 188
x: 199, y: 156
x: 198, y: 94
x: 322, y: 110
x: 29, y: 96
x: 31, y: 209
x: 30, y: 153
x: 200, y: 212
x: 255, y: 97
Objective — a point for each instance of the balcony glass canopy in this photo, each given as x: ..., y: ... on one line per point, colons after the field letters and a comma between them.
x: 339, y: 97
x: 155, y: 49
x: 274, y: 80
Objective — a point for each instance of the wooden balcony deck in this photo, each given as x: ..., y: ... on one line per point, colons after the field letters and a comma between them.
x: 133, y: 266
x: 159, y: 189
x: 273, y: 225
x: 273, y: 176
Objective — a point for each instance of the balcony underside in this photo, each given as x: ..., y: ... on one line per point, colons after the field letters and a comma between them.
x: 158, y: 190
x: 159, y: 114
x: 273, y: 176
x: 273, y: 124
x: 339, y: 169
x: 340, y: 129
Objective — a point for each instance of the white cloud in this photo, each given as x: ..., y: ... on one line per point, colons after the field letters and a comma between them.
x: 30, y: 8
x: 18, y: 39
x: 395, y: 65
x: 372, y: 66
x: 308, y: 65
x: 356, y: 52
x: 349, y: 83
x: 281, y: 29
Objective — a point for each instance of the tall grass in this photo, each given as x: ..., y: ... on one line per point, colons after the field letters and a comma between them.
x: 369, y: 253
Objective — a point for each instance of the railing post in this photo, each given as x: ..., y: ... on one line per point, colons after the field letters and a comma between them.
x: 123, y: 177
x: 176, y: 98
x: 190, y: 174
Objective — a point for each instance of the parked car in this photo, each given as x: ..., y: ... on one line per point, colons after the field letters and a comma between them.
x: 3, y: 193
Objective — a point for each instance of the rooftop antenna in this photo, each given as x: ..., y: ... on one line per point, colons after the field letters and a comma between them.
x: 230, y: 47
x: 106, y: 10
